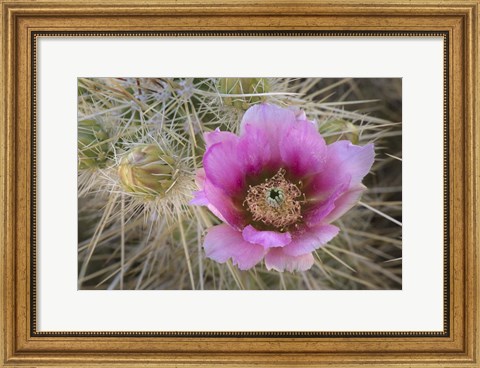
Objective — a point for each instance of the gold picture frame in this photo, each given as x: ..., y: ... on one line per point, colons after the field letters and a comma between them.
x: 24, y: 21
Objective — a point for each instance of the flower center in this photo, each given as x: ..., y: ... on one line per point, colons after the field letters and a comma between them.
x: 274, y: 197
x: 276, y: 202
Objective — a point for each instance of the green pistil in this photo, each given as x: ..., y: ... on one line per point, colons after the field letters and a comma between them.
x: 275, y: 197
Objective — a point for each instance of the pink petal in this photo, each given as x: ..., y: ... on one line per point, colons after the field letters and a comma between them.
x: 218, y: 136
x: 222, y: 206
x: 267, y: 239
x: 271, y: 119
x: 199, y: 199
x: 223, y: 242
x: 345, y: 202
x: 200, y: 178
x: 219, y: 215
x: 254, y: 150
x: 345, y: 163
x: 268, y: 117
x: 337, y: 188
x: 319, y: 210
x: 356, y: 161
x: 321, y: 185
x: 303, y: 149
x: 311, y: 239
x: 224, y: 168
x: 277, y: 259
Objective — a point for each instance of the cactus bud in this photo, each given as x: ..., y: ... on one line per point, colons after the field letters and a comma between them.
x: 238, y: 86
x: 335, y: 130
x: 92, y: 147
x: 147, y: 170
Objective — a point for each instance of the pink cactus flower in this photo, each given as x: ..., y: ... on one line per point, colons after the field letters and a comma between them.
x: 277, y: 187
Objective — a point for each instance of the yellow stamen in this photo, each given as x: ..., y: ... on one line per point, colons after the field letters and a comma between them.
x: 276, y: 202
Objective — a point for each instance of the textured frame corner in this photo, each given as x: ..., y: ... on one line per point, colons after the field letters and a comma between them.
x: 24, y: 21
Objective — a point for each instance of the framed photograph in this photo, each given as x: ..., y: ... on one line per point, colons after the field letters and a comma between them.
x: 256, y: 184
